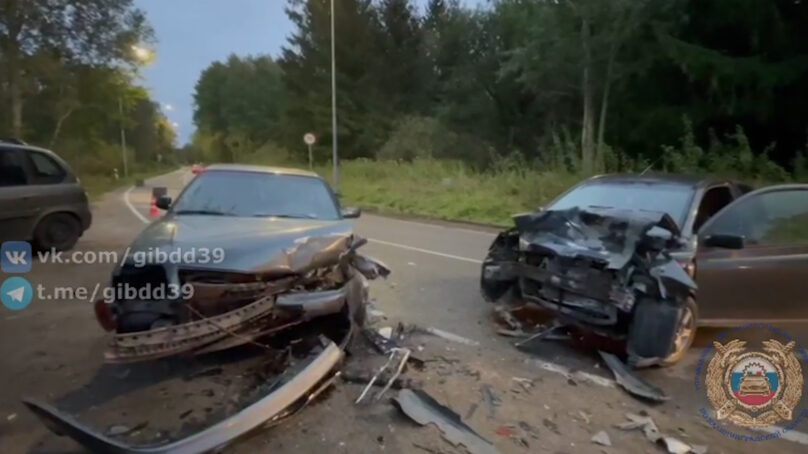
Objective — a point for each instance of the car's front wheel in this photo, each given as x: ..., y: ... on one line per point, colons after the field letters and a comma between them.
x: 59, y: 231
x: 685, y: 334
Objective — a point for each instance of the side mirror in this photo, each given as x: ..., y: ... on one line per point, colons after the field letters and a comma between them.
x: 163, y: 202
x: 724, y: 241
x: 351, y: 212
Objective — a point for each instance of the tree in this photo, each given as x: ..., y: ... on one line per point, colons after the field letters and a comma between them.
x: 37, y: 36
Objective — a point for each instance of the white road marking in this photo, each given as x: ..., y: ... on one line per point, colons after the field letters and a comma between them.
x: 426, y: 251
x: 131, y: 207
x: 438, y: 226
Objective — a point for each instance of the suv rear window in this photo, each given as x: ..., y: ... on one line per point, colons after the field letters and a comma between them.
x: 12, y: 171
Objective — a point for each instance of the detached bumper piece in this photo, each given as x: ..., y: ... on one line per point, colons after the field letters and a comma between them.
x: 295, y: 393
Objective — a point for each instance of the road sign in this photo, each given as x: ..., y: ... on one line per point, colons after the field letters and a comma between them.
x: 309, y: 139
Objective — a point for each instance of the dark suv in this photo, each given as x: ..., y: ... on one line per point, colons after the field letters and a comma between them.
x: 41, y: 200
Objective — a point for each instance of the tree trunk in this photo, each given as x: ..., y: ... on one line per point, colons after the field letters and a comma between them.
x: 58, y: 127
x: 604, y: 107
x: 588, y: 120
x: 15, y: 97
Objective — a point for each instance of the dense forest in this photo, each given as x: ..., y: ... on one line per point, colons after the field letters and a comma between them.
x: 69, y: 81
x: 585, y: 85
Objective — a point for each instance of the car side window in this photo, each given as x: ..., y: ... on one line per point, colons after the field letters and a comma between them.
x: 713, y: 201
x: 767, y: 219
x: 45, y: 169
x: 12, y: 171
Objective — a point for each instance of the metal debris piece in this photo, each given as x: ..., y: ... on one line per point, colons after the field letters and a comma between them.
x: 363, y: 378
x: 312, y: 378
x: 674, y: 446
x: 403, y: 354
x: 602, y: 438
x: 630, y: 382
x: 490, y: 400
x: 423, y: 409
x: 647, y: 425
x: 698, y: 449
x: 584, y: 415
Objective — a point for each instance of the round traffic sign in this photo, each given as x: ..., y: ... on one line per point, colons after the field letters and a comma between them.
x: 309, y: 138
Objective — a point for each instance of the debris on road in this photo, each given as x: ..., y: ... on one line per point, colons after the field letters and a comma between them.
x: 401, y: 354
x: 653, y: 435
x: 362, y: 378
x: 630, y: 381
x: 297, y: 385
x: 450, y: 336
x: 605, y: 271
x: 602, y: 438
x: 11, y: 417
x: 423, y: 409
x: 490, y: 400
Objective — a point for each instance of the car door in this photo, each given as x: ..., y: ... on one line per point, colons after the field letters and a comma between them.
x: 766, y: 277
x: 16, y: 212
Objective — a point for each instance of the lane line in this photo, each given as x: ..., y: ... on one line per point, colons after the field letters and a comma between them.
x: 436, y: 226
x: 134, y: 211
x: 426, y: 251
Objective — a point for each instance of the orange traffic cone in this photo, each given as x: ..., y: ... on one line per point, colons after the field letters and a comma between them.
x: 153, y: 210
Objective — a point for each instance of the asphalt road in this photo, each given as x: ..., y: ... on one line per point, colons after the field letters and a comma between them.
x: 53, y: 350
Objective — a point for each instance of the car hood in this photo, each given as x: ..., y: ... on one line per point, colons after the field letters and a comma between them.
x: 606, y: 235
x: 257, y: 245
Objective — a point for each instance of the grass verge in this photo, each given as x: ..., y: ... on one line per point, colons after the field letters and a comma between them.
x: 446, y: 189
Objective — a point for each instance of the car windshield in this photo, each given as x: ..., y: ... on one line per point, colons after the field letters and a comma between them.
x: 256, y: 194
x: 673, y: 199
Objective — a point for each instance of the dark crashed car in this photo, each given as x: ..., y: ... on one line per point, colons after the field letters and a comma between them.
x: 646, y: 259
x: 261, y: 249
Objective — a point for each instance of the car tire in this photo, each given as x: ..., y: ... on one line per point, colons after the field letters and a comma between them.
x: 59, y: 231
x: 685, y: 334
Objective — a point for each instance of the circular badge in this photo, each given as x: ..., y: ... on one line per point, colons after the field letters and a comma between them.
x: 754, y: 380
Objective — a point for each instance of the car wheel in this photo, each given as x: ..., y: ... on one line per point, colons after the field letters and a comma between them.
x: 685, y: 334
x: 58, y: 231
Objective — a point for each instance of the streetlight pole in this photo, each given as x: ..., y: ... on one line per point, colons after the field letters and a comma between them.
x: 123, y: 137
x: 334, y: 155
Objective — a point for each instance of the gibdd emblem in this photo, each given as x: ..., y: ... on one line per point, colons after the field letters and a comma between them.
x: 754, y: 389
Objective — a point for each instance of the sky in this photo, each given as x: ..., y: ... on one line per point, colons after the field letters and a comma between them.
x: 191, y: 34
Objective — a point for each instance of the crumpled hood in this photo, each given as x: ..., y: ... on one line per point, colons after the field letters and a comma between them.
x: 258, y: 245
x: 604, y: 235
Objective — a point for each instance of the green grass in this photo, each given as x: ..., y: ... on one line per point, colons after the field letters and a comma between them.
x: 446, y: 189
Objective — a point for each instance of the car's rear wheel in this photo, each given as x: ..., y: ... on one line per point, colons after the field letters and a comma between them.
x: 58, y: 231
x: 685, y: 334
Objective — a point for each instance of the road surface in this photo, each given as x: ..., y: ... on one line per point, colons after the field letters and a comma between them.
x: 53, y: 349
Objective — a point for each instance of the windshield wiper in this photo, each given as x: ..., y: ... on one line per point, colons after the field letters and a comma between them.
x: 285, y: 216
x: 205, y: 212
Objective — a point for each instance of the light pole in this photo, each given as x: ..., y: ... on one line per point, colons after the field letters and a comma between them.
x: 142, y: 55
x: 334, y: 154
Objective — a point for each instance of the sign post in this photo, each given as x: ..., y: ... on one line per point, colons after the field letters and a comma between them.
x: 309, y: 139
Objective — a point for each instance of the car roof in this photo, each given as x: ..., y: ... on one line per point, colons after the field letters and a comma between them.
x: 694, y: 181
x: 262, y: 169
x: 25, y: 147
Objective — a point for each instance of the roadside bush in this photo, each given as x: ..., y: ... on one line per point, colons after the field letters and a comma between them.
x: 418, y: 137
x: 732, y: 157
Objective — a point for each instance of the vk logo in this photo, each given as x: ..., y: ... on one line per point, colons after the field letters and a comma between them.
x: 16, y: 257
x: 16, y: 293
